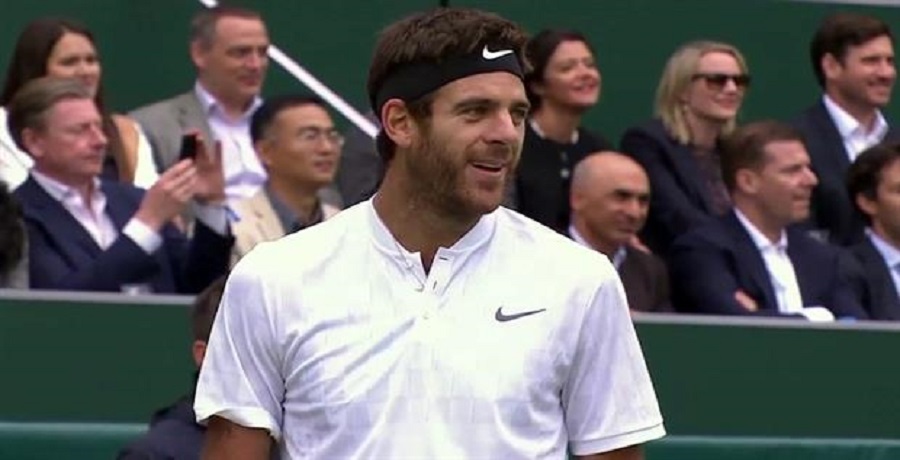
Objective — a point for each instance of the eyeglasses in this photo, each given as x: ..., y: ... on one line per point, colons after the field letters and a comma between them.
x: 717, y: 81
x: 313, y: 135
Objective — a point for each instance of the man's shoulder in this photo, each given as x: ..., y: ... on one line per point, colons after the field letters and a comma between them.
x: 309, y: 248
x: 163, y: 107
x: 526, y: 238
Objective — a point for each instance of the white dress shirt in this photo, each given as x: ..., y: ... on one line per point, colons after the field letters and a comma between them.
x: 244, y: 173
x: 853, y: 133
x: 890, y: 254
x: 779, y: 266
x: 93, y: 217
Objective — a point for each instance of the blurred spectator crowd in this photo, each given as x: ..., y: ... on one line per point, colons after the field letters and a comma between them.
x: 699, y: 211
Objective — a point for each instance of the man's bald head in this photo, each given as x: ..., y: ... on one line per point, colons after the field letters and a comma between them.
x: 610, y: 198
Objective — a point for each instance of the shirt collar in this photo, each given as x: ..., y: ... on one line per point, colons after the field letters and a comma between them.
x: 890, y: 254
x: 762, y: 243
x: 475, y: 238
x: 848, y: 126
x: 289, y: 220
x: 210, y: 104
x: 537, y: 130
x: 617, y: 258
x: 56, y: 189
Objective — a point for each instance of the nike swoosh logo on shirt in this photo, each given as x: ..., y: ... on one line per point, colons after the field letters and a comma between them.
x: 502, y: 317
x: 491, y: 55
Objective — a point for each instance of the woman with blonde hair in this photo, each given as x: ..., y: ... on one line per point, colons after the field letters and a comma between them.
x: 697, y: 101
x: 65, y: 48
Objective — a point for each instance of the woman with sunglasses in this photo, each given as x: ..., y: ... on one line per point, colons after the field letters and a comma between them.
x: 64, y: 48
x: 697, y: 101
x: 562, y: 85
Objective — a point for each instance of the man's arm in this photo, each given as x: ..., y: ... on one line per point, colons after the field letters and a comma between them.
x: 627, y: 453
x: 226, y: 440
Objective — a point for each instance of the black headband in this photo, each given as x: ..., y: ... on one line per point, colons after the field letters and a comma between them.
x: 417, y: 79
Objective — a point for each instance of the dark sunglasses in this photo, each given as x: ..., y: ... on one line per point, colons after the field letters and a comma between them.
x: 719, y: 80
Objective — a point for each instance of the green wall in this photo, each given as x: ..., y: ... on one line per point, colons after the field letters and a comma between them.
x: 144, y: 43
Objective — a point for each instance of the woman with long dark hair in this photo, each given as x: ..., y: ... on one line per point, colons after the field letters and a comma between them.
x: 563, y: 84
x: 64, y: 48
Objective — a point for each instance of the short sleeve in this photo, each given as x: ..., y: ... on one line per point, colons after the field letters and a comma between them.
x: 241, y: 379
x: 609, y: 399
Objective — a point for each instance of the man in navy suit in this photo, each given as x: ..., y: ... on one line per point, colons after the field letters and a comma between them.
x: 853, y: 60
x: 89, y: 234
x: 874, y: 183
x: 750, y: 261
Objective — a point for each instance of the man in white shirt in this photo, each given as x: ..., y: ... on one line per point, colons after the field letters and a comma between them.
x: 752, y: 261
x: 229, y: 48
x: 427, y: 322
x: 853, y: 60
x: 873, y: 182
x: 85, y: 233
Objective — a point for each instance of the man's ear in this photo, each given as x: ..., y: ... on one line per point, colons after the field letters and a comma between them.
x: 866, y: 204
x: 198, y: 54
x: 32, y: 141
x: 747, y: 181
x: 398, y: 123
x: 263, y: 148
x: 831, y: 66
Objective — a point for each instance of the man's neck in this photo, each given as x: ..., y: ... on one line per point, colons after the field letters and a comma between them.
x: 606, y: 247
x: 301, y: 200
x: 757, y: 216
x: 864, y: 114
x: 889, y: 238
x: 233, y: 108
x: 704, y: 132
x: 414, y: 223
x: 557, y: 123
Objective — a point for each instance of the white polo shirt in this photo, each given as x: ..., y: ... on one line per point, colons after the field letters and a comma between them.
x: 518, y: 345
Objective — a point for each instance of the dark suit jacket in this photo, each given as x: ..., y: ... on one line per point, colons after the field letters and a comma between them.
x: 709, y: 264
x: 541, y: 192
x: 646, y: 281
x: 64, y: 256
x: 879, y: 292
x: 679, y: 201
x: 173, y: 435
x: 832, y: 209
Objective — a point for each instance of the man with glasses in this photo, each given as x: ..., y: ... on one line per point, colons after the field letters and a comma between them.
x: 299, y: 148
x: 853, y: 60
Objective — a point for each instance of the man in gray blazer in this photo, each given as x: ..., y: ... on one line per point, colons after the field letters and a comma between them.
x: 229, y: 48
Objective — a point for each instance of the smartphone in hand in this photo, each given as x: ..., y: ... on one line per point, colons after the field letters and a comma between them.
x: 189, y: 147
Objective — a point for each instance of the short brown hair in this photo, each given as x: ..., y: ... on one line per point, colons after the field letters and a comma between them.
x: 203, y: 24
x: 865, y: 173
x: 31, y: 103
x: 745, y: 148
x: 203, y: 311
x: 433, y: 36
x: 840, y: 31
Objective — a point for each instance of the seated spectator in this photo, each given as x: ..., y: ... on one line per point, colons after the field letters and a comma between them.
x: 563, y: 84
x: 873, y: 181
x: 13, y: 262
x: 751, y: 261
x: 610, y: 197
x: 229, y: 48
x: 64, y: 48
x: 853, y: 60
x: 174, y: 433
x: 299, y: 147
x: 88, y: 233
x: 697, y: 100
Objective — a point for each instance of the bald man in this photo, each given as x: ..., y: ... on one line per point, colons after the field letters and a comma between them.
x: 610, y: 197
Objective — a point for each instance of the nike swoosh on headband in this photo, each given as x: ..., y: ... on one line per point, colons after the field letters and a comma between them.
x: 491, y: 55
